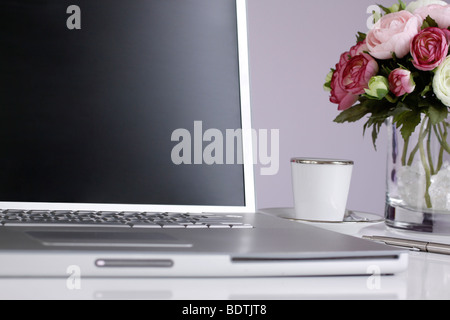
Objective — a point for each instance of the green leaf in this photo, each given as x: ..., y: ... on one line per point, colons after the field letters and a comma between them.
x: 385, y: 9
x: 385, y: 70
x: 407, y: 121
x: 360, y: 37
x: 394, y: 8
x: 429, y: 22
x: 379, y: 111
x: 400, y: 109
x: 352, y: 114
x: 437, y: 113
x: 375, y: 121
x: 375, y: 132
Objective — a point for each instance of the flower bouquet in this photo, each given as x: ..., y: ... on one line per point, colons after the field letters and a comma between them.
x: 399, y: 73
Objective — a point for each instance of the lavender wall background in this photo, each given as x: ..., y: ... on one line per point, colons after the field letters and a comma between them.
x: 293, y: 45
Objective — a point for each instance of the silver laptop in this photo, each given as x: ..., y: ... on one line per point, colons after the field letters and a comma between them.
x: 126, y: 148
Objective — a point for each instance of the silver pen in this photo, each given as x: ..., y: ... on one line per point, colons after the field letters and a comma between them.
x: 422, y: 246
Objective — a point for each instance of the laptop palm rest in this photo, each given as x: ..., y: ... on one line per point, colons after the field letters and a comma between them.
x: 107, y: 239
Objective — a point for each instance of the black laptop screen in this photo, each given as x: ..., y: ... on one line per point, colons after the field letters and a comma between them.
x: 94, y: 92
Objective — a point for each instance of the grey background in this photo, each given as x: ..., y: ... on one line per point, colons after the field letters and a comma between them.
x: 293, y: 45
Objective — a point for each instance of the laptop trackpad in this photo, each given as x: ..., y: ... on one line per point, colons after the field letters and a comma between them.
x: 108, y: 239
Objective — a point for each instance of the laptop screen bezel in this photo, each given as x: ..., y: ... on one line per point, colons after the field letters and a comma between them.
x: 247, y: 152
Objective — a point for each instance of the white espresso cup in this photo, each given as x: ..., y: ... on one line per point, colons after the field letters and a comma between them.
x: 321, y: 188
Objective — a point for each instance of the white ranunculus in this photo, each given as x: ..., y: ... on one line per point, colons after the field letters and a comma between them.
x: 378, y: 87
x: 441, y: 82
x: 413, y: 6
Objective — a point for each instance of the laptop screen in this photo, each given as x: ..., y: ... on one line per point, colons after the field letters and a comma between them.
x: 120, y: 102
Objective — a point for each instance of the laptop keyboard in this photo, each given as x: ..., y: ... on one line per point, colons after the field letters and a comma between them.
x: 121, y: 219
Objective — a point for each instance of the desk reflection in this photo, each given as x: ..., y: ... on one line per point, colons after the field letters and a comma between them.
x: 320, y: 288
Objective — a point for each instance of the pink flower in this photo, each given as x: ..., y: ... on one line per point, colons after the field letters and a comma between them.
x: 359, y: 48
x: 440, y: 14
x: 429, y: 49
x: 352, y: 76
x: 393, y: 33
x: 401, y: 82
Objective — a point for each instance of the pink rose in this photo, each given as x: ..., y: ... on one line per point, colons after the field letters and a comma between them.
x: 440, y: 14
x: 393, y: 33
x: 352, y: 76
x: 401, y: 82
x: 429, y: 48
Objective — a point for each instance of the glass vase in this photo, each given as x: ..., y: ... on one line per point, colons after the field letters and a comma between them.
x: 418, y: 178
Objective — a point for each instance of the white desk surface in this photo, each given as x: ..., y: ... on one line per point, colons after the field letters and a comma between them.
x: 428, y: 277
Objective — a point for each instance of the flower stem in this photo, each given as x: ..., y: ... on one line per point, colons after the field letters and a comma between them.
x: 416, y: 148
x: 412, y: 155
x: 444, y: 138
x: 440, y: 159
x: 441, y: 136
x: 430, y: 159
x: 425, y: 165
x: 391, y: 99
x: 405, y: 151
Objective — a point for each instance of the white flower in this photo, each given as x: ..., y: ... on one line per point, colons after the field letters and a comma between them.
x: 378, y: 88
x: 441, y: 82
x: 413, y: 6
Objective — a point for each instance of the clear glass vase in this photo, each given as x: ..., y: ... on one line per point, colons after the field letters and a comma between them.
x: 418, y: 178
